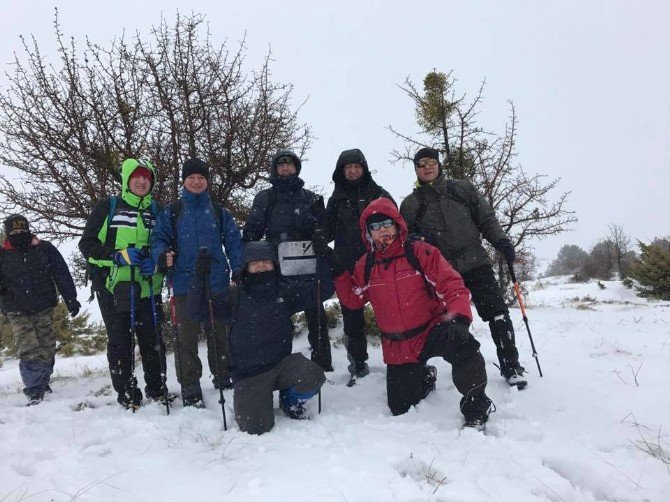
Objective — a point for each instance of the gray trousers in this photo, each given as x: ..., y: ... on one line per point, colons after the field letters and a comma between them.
x: 187, y: 361
x: 253, y: 396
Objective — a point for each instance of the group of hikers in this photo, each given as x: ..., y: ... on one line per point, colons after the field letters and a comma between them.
x: 418, y: 266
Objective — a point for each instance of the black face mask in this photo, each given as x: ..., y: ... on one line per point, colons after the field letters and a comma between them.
x: 21, y: 240
x: 262, y: 284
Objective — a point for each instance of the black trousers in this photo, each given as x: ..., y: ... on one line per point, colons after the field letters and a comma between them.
x: 320, y: 344
x: 406, y: 384
x: 490, y: 304
x: 354, y: 334
x: 486, y: 293
x: 120, y: 345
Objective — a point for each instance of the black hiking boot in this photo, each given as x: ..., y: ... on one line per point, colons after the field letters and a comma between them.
x: 359, y: 369
x: 429, y: 380
x: 194, y: 402
x: 159, y: 396
x: 476, y: 410
x: 34, y: 399
x: 128, y: 402
x: 513, y: 373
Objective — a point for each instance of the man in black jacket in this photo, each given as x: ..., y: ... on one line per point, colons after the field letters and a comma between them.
x: 288, y: 212
x: 259, y: 311
x: 30, y: 271
x: 354, y: 190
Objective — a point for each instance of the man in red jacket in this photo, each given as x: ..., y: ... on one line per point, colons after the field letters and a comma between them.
x: 422, y: 309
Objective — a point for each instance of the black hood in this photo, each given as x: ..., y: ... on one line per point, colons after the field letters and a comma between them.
x: 284, y: 153
x: 353, y: 156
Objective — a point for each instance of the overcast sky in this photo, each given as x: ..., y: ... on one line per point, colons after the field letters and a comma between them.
x: 590, y: 81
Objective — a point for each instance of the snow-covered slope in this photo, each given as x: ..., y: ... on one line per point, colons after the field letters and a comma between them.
x: 578, y: 434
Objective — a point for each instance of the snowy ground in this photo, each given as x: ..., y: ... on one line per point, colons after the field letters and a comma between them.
x: 575, y: 435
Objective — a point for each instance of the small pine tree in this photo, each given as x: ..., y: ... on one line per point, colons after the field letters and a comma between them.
x: 652, y: 270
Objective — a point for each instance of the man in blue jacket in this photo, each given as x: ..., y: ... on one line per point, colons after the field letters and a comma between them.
x: 259, y: 312
x: 185, y: 226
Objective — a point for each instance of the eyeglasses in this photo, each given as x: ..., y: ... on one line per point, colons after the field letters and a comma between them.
x: 285, y: 160
x: 427, y: 163
x: 379, y: 224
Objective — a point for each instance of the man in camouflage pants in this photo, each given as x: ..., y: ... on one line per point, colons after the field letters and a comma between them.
x: 30, y: 271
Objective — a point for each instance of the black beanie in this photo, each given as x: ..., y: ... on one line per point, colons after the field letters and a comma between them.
x: 426, y: 153
x: 377, y: 218
x: 258, y: 251
x: 194, y: 166
x: 16, y: 222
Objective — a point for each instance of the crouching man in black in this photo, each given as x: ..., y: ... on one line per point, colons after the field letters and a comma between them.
x: 258, y: 312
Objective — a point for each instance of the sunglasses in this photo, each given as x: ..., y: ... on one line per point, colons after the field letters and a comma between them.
x: 379, y: 224
x: 427, y: 163
x: 285, y: 160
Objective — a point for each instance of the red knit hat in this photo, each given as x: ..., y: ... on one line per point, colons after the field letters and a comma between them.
x: 142, y: 171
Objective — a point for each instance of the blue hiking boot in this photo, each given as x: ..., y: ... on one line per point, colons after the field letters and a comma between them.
x: 294, y: 403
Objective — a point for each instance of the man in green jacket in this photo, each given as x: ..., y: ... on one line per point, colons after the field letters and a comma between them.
x: 115, y: 243
x: 453, y: 216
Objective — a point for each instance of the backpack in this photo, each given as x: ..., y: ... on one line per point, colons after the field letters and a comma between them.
x: 175, y: 211
x: 451, y: 194
x: 409, y: 253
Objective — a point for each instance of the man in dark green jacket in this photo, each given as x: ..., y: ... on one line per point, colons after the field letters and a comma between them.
x: 453, y: 216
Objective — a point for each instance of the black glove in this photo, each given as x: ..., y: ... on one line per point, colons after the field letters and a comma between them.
x: 73, y: 308
x: 506, y: 248
x: 236, y: 276
x: 335, y: 265
x: 461, y: 320
x: 320, y: 242
x: 318, y: 205
x: 203, y: 264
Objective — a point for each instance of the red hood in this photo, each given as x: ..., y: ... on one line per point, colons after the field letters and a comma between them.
x: 8, y: 245
x: 385, y: 206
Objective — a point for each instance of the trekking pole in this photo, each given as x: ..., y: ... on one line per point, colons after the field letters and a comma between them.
x: 173, y: 319
x: 133, y: 331
x: 318, y: 317
x: 159, y: 342
x: 210, y: 303
x: 510, y: 265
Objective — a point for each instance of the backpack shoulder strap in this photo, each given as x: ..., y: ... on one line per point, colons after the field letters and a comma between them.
x: 110, y: 238
x: 218, y: 212
x: 410, y: 254
x: 175, y: 211
x: 369, y: 263
x: 154, y: 208
x: 453, y: 194
x: 421, y: 210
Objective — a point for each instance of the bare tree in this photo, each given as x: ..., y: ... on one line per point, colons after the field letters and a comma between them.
x: 623, y: 254
x: 166, y: 96
x: 601, y: 262
x: 527, y: 205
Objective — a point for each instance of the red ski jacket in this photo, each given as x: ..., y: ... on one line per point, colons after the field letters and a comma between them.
x: 398, y: 293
